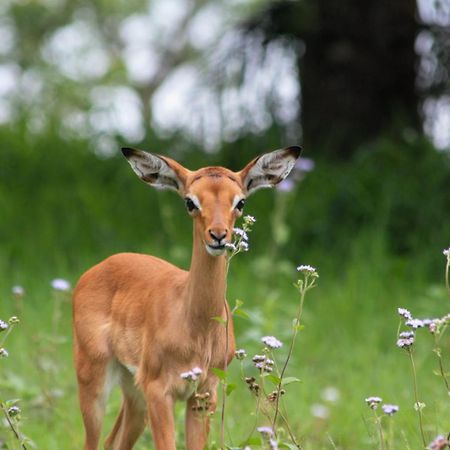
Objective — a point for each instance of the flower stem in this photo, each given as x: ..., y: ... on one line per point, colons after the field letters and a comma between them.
x: 416, y: 396
x: 380, y: 430
x: 303, y: 289
x: 13, y: 428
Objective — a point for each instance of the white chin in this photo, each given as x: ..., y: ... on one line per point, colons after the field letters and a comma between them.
x: 214, y: 251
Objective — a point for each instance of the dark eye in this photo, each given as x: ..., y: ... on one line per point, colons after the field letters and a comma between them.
x: 240, y: 204
x: 190, y: 205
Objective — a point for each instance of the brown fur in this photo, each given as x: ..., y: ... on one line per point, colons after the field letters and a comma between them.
x: 139, y: 312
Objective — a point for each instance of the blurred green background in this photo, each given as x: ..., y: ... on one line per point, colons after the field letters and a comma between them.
x: 363, y: 86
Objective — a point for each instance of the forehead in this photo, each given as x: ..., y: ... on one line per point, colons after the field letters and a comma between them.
x: 215, y: 181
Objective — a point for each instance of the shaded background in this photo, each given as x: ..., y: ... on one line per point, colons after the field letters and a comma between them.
x: 363, y: 86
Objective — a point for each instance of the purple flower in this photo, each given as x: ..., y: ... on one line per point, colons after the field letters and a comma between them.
x: 265, y: 431
x: 390, y: 410
x: 404, y: 313
x: 414, y: 323
x: 439, y: 443
x: 287, y: 185
x: 406, y: 339
x: 272, y: 342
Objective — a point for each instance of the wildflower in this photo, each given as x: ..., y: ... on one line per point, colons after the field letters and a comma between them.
x: 331, y: 394
x: 273, y: 444
x: 243, y: 246
x: 241, y: 233
x: 433, y: 327
x: 13, y: 320
x: 274, y: 395
x: 286, y: 185
x: 373, y: 402
x: 265, y: 431
x: 414, y: 323
x: 406, y: 339
x: 18, y: 291
x: 231, y: 247
x: 191, y: 375
x: 240, y: 354
x: 439, y: 443
x: 59, y: 284
x: 307, y: 269
x: 3, y: 353
x: 249, y: 220
x: 404, y: 313
x: 320, y: 411
x: 390, y: 410
x: 14, y: 411
x: 305, y: 164
x: 446, y: 252
x: 3, y: 325
x: 271, y: 342
x: 252, y: 384
x: 263, y: 363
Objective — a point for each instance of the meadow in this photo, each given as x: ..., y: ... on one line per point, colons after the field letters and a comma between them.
x: 64, y: 211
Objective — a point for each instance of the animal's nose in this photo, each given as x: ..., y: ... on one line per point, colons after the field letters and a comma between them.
x: 218, y: 234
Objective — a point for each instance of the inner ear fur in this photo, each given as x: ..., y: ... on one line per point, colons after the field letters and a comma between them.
x: 269, y: 169
x: 156, y: 170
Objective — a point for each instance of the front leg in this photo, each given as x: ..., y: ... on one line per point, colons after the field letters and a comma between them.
x: 198, y: 410
x: 160, y: 410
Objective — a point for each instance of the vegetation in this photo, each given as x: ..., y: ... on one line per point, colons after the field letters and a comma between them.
x: 345, y: 220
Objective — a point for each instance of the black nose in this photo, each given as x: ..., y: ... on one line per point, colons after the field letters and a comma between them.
x: 218, y: 235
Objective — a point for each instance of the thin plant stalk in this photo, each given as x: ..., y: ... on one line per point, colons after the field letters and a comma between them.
x: 380, y: 430
x: 416, y: 396
x: 13, y: 428
x: 304, y: 287
x: 447, y: 270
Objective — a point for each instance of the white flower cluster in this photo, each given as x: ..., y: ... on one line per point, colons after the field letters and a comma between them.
x: 271, y: 342
x: 406, y: 339
x: 373, y: 402
x: 306, y: 269
x: 191, y: 375
x: 263, y: 363
x: 3, y: 325
x: 59, y: 284
x: 446, y: 252
x: 240, y: 354
x: 433, y: 325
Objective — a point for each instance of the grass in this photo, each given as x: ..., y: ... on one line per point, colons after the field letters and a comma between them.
x: 348, y: 343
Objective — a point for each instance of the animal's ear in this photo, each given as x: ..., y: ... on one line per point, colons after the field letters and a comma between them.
x: 269, y: 169
x: 156, y: 170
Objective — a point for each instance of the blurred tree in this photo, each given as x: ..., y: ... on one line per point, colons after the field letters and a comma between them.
x: 357, y: 66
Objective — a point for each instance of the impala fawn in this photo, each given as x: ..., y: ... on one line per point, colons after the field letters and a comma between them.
x: 140, y: 321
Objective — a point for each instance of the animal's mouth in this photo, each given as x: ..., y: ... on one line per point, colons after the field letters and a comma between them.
x: 215, y: 249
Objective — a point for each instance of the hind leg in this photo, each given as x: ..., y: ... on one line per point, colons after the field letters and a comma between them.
x: 131, y: 420
x: 92, y: 395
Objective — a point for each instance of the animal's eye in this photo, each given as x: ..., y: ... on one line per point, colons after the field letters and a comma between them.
x: 190, y: 205
x: 240, y: 204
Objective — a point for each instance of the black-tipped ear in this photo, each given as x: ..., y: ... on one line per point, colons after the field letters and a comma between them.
x: 156, y: 170
x: 269, y: 169
x: 127, y: 152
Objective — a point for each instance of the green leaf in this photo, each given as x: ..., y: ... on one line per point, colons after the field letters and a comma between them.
x: 289, y: 380
x: 251, y: 441
x: 230, y: 388
x: 219, y: 373
x: 274, y: 379
x: 241, y: 313
x: 220, y: 320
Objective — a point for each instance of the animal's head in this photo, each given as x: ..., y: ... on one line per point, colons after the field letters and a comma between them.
x: 214, y: 196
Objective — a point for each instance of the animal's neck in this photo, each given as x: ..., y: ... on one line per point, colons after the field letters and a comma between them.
x: 206, y: 287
